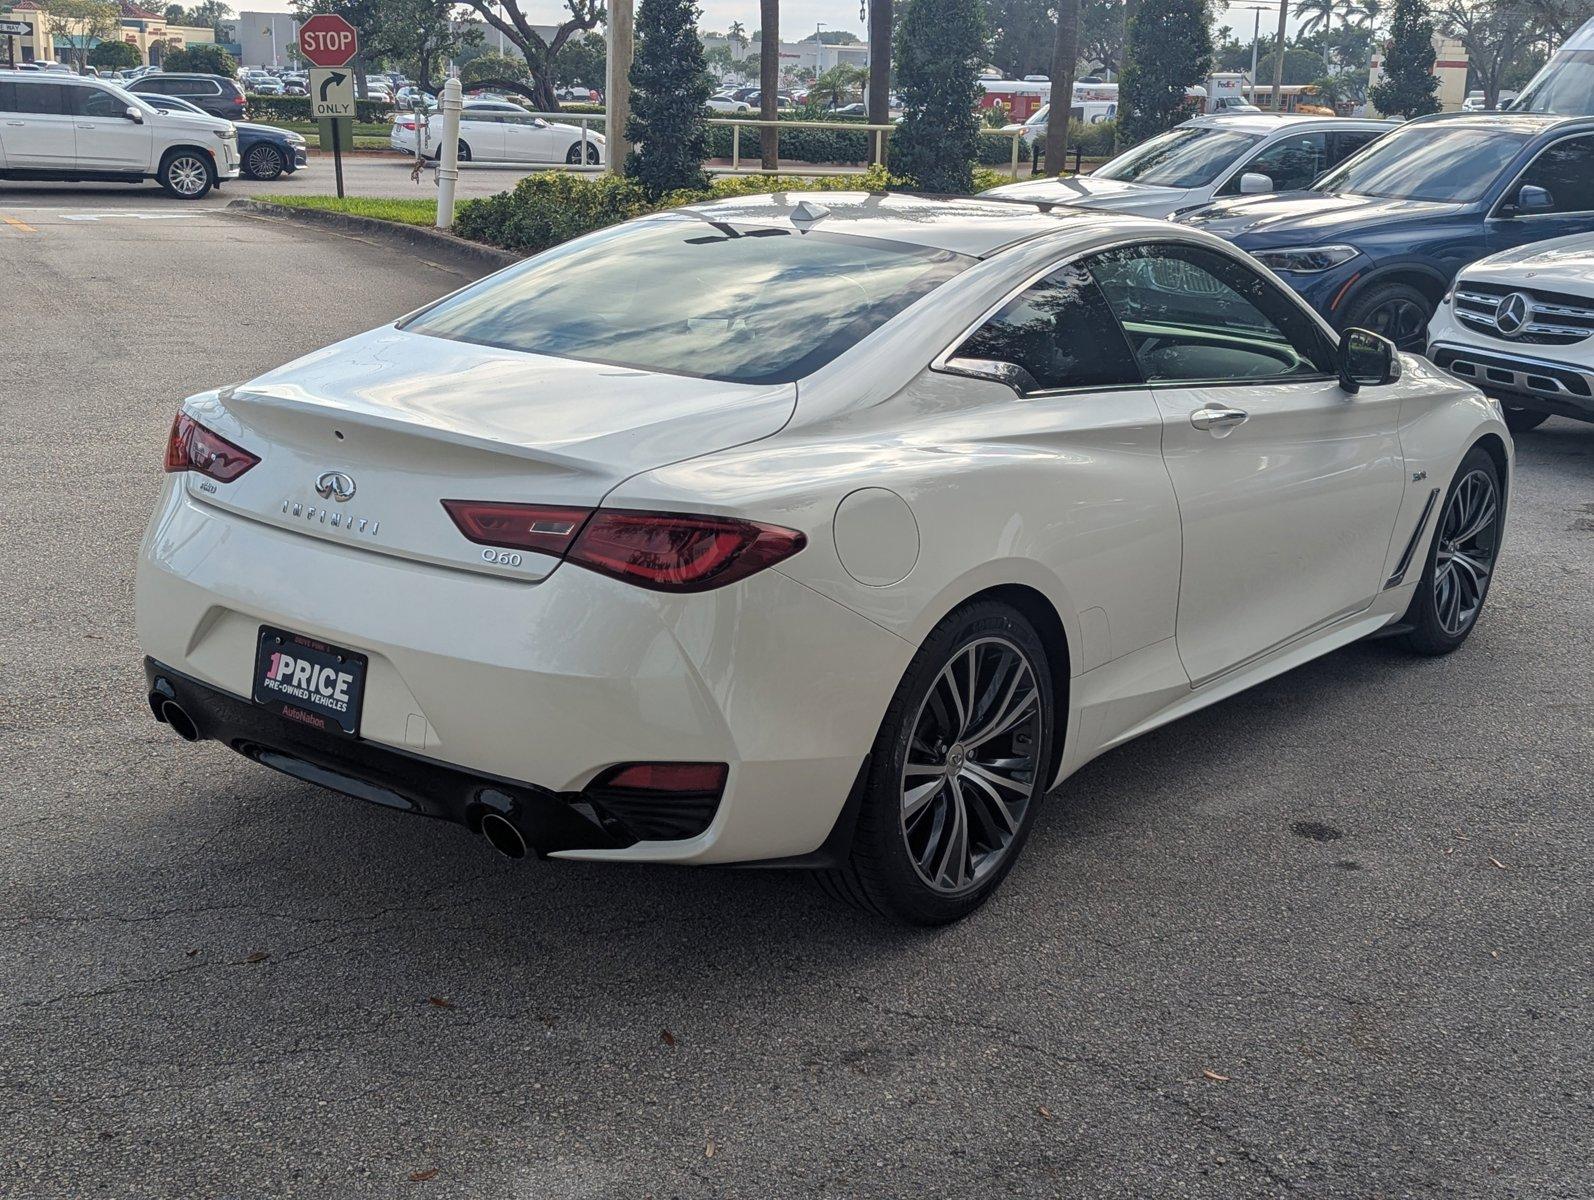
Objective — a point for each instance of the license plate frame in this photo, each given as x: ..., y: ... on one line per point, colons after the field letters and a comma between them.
x: 322, y: 688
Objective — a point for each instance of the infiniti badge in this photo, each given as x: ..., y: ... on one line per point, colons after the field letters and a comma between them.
x: 335, y: 485
x: 1513, y: 313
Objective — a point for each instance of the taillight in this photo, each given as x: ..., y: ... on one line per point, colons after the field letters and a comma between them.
x: 665, y: 801
x: 192, y: 447
x: 671, y: 552
x: 407, y: 125
x: 667, y: 552
x: 541, y: 527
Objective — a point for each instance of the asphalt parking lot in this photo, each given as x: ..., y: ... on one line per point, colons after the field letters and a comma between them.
x: 1332, y: 938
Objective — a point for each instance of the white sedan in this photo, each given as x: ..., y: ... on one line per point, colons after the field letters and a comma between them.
x: 830, y: 531
x: 498, y: 131
x: 1520, y: 324
x: 1205, y: 159
x: 726, y: 103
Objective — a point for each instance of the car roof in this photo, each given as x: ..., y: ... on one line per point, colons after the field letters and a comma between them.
x: 1266, y: 122
x: 975, y: 226
x: 1519, y: 122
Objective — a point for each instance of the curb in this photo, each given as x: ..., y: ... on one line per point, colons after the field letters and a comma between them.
x: 431, y: 242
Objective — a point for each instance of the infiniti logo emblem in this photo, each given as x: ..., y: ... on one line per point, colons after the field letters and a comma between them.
x: 335, y: 485
x: 1513, y: 313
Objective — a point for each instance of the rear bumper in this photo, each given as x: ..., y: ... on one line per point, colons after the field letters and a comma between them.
x: 553, y: 682
x: 382, y: 775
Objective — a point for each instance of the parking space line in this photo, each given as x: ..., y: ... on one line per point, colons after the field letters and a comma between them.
x: 16, y: 224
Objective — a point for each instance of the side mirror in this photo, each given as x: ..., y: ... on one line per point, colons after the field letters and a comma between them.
x: 1534, y: 199
x: 1254, y: 183
x: 994, y: 369
x: 1366, y: 360
x: 133, y: 115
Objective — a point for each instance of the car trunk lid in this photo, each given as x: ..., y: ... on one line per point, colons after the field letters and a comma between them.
x: 361, y: 442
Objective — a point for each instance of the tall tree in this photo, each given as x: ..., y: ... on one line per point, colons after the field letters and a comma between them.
x: 669, y: 86
x: 1497, y: 38
x: 1169, y: 50
x: 736, y: 35
x: 1408, y: 86
x: 76, y: 23
x: 769, y: 79
x: 1065, y: 56
x: 538, y: 51
x: 939, y: 47
x: 1021, y: 35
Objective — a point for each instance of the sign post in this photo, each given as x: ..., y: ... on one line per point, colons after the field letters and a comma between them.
x: 13, y: 30
x: 329, y: 43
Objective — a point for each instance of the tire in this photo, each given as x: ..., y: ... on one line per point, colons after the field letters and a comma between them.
x: 1398, y: 311
x: 1520, y: 420
x: 186, y: 174
x: 264, y: 161
x: 1451, y: 593
x: 464, y: 150
x: 573, y: 155
x: 918, y: 789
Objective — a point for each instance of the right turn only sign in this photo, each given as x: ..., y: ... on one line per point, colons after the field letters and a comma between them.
x: 332, y: 92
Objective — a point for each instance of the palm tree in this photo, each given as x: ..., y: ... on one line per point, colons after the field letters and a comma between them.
x: 737, y: 36
x: 1363, y: 14
x: 1315, y: 15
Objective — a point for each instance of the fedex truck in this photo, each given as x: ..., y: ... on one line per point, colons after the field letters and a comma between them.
x: 1566, y: 84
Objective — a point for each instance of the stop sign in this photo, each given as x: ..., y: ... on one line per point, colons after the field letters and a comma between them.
x: 327, y: 40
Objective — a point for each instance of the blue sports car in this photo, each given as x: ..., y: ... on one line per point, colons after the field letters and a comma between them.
x: 1377, y: 240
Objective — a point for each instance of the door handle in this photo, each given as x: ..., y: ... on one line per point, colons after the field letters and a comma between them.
x: 1219, y: 420
x: 88, y: 127
x: 18, y: 124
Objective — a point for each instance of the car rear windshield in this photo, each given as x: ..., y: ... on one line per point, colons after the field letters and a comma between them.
x: 1565, y: 86
x: 1188, y: 157
x: 1424, y: 162
x: 693, y: 296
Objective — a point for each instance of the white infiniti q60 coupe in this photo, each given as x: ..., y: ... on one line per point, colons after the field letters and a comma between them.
x: 827, y: 530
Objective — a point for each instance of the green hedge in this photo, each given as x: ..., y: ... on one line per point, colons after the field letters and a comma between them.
x: 551, y: 207
x: 297, y: 108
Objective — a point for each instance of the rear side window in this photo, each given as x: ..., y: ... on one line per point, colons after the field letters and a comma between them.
x: 1566, y: 171
x: 1062, y: 332
x: 40, y: 99
x: 691, y: 295
x: 1342, y: 145
x: 95, y: 102
x: 1291, y: 163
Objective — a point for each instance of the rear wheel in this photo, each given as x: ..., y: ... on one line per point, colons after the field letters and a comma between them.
x: 573, y: 156
x: 464, y: 151
x: 956, y: 773
x: 263, y: 162
x: 186, y: 175
x: 1460, y: 565
x: 1520, y: 420
x: 1398, y: 311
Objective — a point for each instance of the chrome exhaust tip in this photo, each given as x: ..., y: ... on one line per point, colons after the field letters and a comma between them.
x: 502, y: 835
x: 182, y: 724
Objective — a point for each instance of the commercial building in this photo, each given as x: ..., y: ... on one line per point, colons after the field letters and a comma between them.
x: 59, y: 39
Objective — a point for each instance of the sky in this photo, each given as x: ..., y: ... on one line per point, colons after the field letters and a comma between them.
x: 799, y: 17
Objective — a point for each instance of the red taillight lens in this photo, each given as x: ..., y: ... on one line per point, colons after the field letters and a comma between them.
x: 668, y: 552
x: 671, y: 552
x: 192, y: 447
x: 410, y: 125
x: 541, y: 527
x: 694, y: 778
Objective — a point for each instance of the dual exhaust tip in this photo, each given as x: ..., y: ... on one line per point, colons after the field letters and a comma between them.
x: 500, y: 832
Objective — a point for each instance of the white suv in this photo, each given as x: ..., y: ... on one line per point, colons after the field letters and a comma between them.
x: 55, y: 127
x: 1520, y: 325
